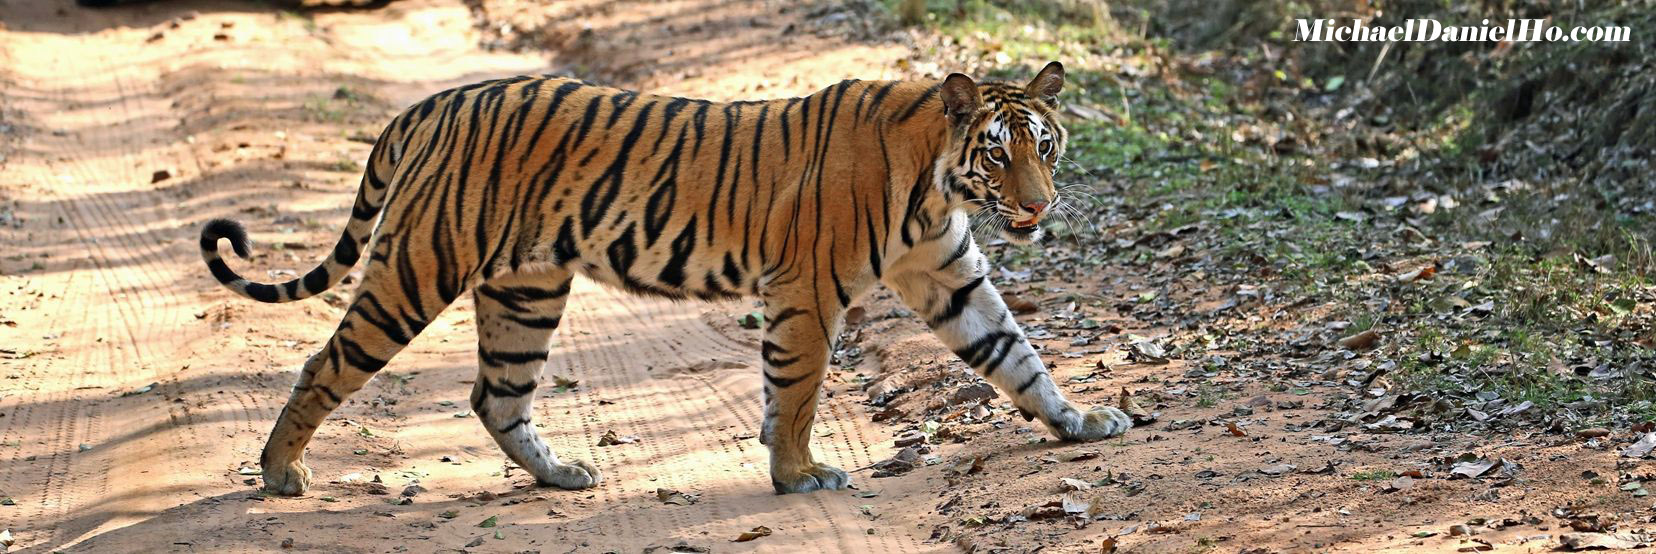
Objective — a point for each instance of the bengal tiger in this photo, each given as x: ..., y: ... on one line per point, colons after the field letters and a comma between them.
x: 509, y: 188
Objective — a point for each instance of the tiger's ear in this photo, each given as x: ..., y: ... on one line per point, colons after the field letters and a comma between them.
x: 1047, y: 84
x: 960, y: 98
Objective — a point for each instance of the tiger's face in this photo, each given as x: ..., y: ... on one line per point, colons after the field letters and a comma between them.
x: 1009, y: 144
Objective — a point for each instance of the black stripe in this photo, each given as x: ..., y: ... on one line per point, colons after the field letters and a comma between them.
x: 957, y: 302
x: 730, y: 271
x: 358, y: 358
x: 986, y: 348
x: 879, y: 97
x: 1031, y: 382
x: 769, y: 350
x: 345, y: 251
x: 498, y: 359
x: 873, y: 243
x: 563, y: 248
x: 514, y: 425
x: 221, y: 271
x: 782, y: 316
x: 262, y: 292
x: 960, y: 250
x: 783, y: 382
x: 622, y: 252
x: 317, y: 280
x: 672, y: 274
x: 368, y: 308
x: 535, y: 322
x: 332, y: 396
x: 839, y: 288
x: 915, y: 107
x: 507, y: 389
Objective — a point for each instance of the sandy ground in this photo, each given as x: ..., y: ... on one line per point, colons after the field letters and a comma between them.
x: 136, y: 392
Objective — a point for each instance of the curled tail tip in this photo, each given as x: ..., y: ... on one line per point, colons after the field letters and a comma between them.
x: 225, y: 229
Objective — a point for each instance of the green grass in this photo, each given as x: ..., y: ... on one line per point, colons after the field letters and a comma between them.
x: 1374, y: 475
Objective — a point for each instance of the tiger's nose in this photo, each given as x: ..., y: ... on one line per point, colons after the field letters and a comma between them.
x: 1036, y: 207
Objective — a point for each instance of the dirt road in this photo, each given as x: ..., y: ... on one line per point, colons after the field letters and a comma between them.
x: 137, y: 393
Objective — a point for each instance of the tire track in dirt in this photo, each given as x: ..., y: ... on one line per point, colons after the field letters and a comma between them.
x: 119, y: 323
x: 687, y: 423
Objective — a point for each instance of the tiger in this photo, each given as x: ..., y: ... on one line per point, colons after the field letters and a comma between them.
x: 509, y: 188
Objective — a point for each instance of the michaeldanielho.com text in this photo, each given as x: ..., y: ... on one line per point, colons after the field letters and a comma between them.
x: 1430, y: 30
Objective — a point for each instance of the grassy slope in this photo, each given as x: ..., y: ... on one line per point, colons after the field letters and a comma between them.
x: 1324, y: 191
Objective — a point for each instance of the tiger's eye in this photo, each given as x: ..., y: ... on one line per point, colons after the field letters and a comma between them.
x: 1046, y: 147
x: 997, y: 155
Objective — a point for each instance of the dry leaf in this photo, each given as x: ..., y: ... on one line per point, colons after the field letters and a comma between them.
x: 1601, y: 541
x: 1068, y: 484
x: 1361, y: 341
x: 756, y: 532
x: 1421, y: 274
x: 1140, y: 415
x: 965, y: 466
x: 1082, y: 455
x: 1642, y: 448
x: 1018, y: 304
x: 1075, y: 504
x: 855, y: 316
x: 1400, y: 484
x: 611, y: 438
x: 676, y: 498
x: 1474, y: 468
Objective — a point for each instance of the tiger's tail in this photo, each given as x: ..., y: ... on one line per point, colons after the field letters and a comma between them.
x: 371, y: 196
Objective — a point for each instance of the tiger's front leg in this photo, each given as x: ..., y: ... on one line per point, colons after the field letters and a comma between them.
x: 795, y: 355
x: 946, y: 283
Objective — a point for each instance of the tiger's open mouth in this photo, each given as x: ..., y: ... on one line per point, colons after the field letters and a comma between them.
x: 1020, y: 230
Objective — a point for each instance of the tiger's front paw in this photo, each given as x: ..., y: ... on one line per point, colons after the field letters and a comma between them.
x: 577, y: 474
x: 1099, y: 423
x: 816, y: 476
x: 289, y: 479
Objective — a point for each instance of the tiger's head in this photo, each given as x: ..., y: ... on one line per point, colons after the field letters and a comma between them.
x: 1005, y: 149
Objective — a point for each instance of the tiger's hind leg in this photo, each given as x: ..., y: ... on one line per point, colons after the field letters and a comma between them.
x: 382, y: 320
x: 795, y: 356
x: 516, y: 315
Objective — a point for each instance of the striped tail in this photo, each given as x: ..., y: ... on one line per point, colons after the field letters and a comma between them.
x: 370, y: 198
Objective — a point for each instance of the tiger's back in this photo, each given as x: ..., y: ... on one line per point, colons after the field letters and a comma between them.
x: 660, y: 195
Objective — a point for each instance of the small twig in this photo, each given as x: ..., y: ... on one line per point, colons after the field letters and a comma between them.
x: 1377, y: 59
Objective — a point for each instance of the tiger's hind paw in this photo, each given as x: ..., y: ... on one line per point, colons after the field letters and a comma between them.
x: 816, y: 477
x: 577, y: 474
